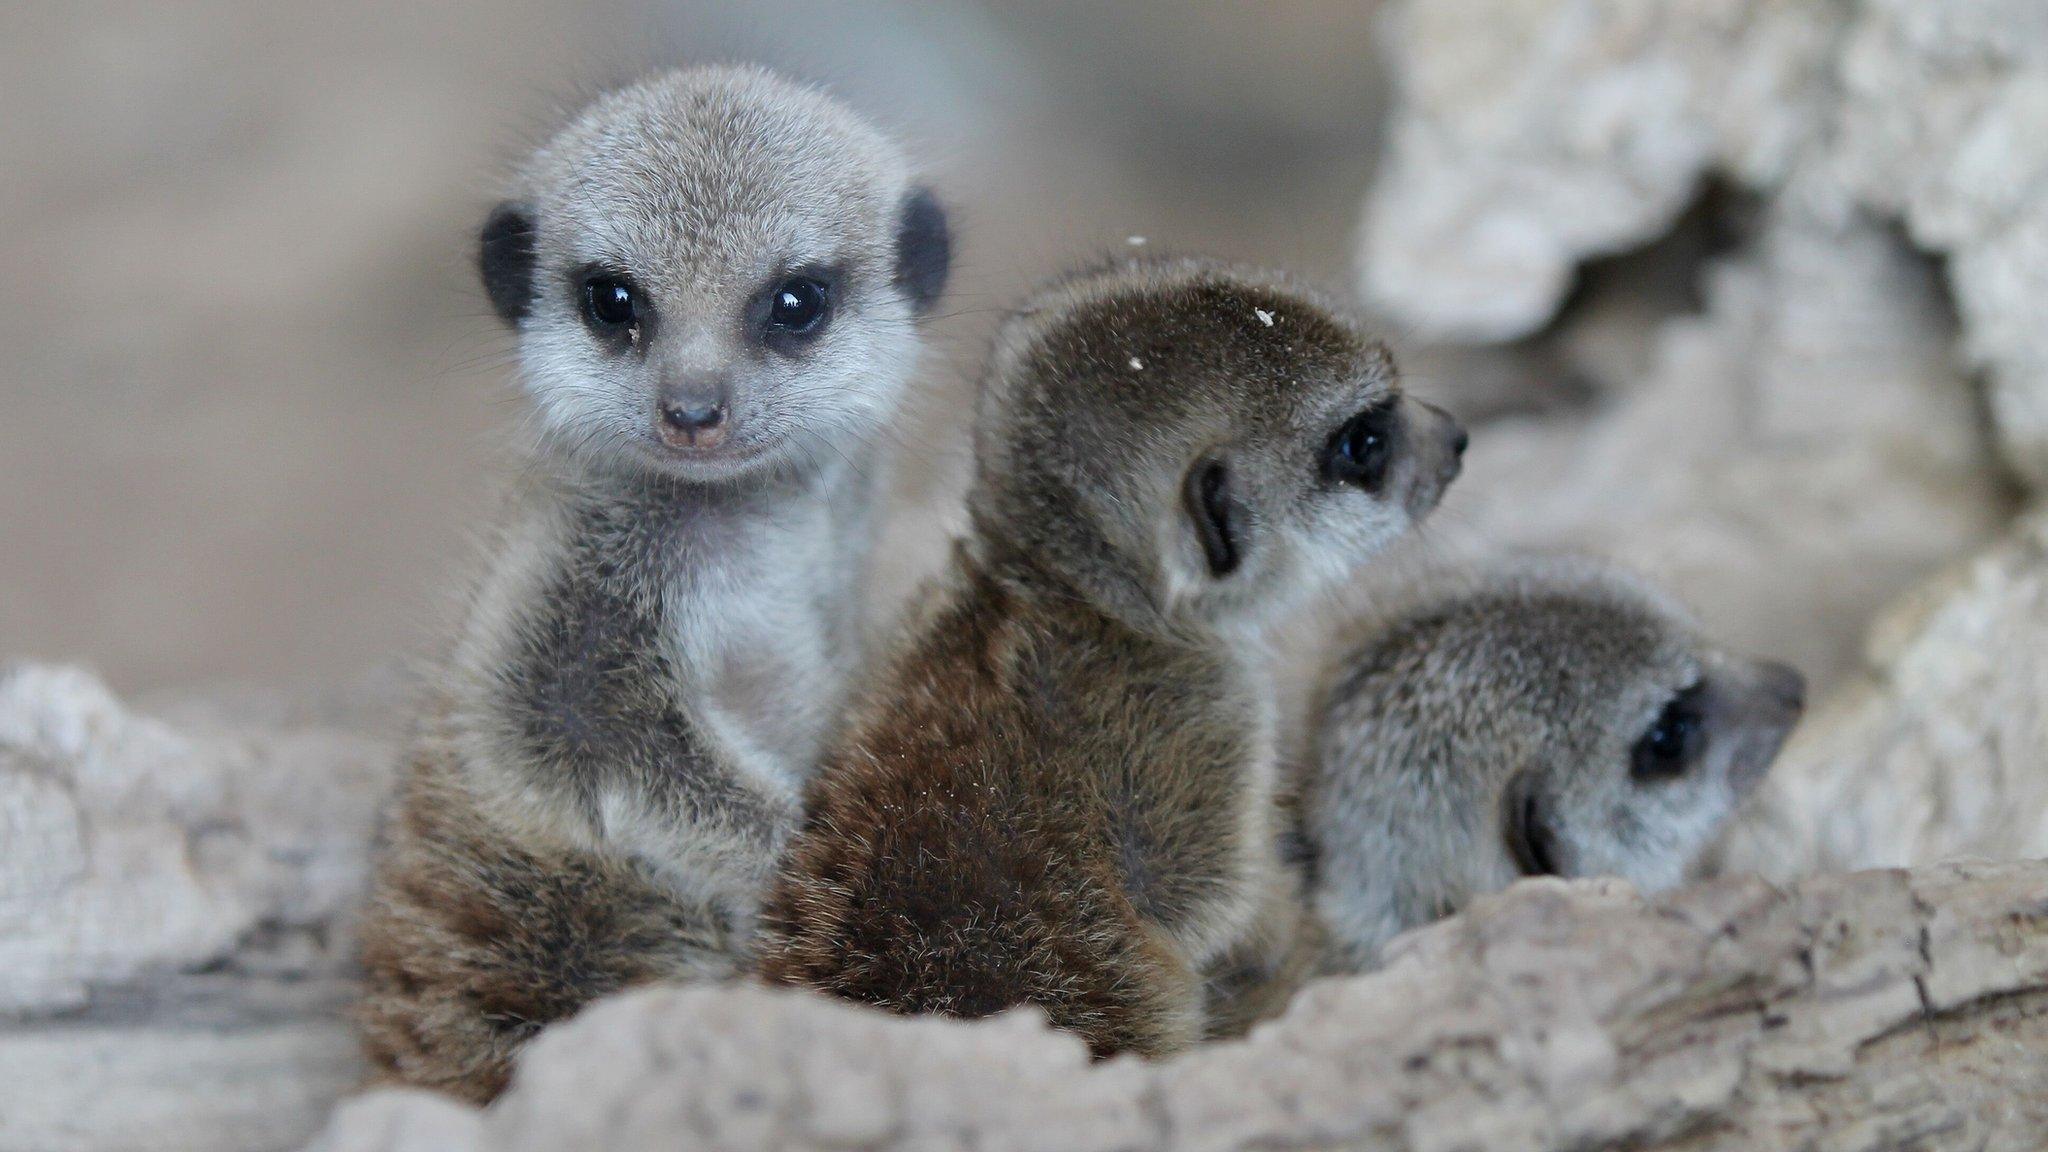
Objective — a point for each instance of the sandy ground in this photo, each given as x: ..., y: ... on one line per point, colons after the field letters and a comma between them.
x: 252, y: 405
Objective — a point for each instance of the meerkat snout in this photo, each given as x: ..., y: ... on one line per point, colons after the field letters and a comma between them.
x: 1556, y: 718
x: 693, y: 413
x: 1440, y: 456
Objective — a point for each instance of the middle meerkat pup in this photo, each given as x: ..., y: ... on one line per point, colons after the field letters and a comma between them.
x: 1060, y: 790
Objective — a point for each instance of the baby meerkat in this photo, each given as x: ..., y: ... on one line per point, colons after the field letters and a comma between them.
x: 715, y: 277
x: 1556, y: 718
x: 1060, y: 790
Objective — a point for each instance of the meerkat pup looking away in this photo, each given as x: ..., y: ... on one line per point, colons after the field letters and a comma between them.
x: 1059, y: 792
x: 1554, y: 718
x: 715, y: 277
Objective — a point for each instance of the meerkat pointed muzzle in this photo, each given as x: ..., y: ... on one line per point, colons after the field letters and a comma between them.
x: 1439, y: 443
x: 1764, y: 707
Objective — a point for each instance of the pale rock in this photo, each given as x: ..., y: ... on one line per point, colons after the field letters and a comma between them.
x: 175, y: 911
x: 1731, y: 1015
x: 1532, y: 135
x: 1799, y: 453
x: 1529, y: 135
x: 1938, y: 747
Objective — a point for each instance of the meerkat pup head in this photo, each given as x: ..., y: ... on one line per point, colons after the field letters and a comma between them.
x: 1187, y: 443
x: 1558, y: 719
x: 712, y: 273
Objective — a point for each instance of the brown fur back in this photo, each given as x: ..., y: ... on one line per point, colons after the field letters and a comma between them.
x: 1037, y: 806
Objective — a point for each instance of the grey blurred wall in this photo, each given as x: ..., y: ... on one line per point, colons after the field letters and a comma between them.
x: 252, y: 409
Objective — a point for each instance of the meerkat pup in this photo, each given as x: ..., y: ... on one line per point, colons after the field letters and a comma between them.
x: 1060, y: 790
x: 1554, y: 718
x: 715, y: 278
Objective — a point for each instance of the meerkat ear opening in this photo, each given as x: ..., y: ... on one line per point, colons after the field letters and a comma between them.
x: 924, y: 249
x: 1218, y: 519
x: 1530, y: 842
x: 504, y: 259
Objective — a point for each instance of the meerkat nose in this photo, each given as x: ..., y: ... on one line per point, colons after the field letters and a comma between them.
x: 1456, y: 439
x: 1784, y: 684
x: 695, y: 423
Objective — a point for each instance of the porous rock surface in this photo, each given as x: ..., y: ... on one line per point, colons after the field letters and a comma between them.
x: 175, y: 908
x: 1796, y: 454
x: 1531, y: 135
x: 1938, y: 746
x: 1880, y: 1010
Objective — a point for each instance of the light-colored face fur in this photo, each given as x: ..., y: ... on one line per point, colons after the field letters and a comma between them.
x: 1563, y: 720
x: 1170, y: 439
x: 689, y: 203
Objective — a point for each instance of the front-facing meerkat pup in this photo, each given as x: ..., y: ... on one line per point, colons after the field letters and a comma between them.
x: 1554, y: 718
x: 715, y: 277
x: 1060, y: 790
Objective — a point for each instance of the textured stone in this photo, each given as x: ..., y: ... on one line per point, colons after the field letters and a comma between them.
x: 1799, y: 452
x: 135, y: 846
x: 1941, y: 125
x: 1938, y: 746
x: 1532, y: 135
x: 1529, y: 135
x: 1862, y: 1011
x: 175, y: 903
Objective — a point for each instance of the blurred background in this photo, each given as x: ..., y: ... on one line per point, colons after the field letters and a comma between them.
x: 252, y: 405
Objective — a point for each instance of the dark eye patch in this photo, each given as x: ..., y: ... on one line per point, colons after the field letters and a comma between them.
x: 1361, y: 451
x: 1675, y: 739
x: 614, y: 307
x: 795, y: 308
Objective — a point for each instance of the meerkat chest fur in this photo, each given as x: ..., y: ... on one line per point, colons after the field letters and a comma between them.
x: 764, y: 631
x: 652, y: 668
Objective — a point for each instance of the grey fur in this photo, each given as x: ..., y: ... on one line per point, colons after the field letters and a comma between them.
x: 1483, y: 732
x: 665, y: 636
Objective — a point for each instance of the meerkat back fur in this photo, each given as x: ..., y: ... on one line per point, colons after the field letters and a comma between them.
x: 1059, y: 791
x: 1552, y: 717
x: 715, y: 277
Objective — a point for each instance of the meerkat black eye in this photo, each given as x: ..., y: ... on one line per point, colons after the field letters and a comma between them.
x: 1363, y: 449
x: 1675, y: 739
x: 611, y: 303
x: 798, y: 306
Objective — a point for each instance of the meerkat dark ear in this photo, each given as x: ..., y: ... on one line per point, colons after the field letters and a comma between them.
x: 924, y: 249
x: 1218, y: 519
x: 504, y: 258
x: 1530, y: 842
